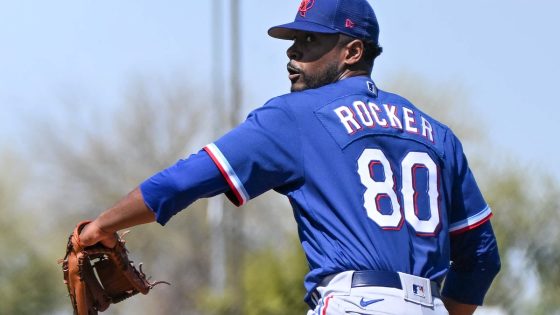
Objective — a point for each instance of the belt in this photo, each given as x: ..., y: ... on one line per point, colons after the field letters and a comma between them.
x: 373, y: 278
x: 388, y: 279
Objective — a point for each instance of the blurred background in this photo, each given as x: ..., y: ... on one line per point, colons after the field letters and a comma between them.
x: 96, y: 96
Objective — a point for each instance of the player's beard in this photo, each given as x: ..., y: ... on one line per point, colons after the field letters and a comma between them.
x: 312, y: 81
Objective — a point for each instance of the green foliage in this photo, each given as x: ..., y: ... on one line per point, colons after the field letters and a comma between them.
x: 272, y: 284
x: 30, y: 280
x: 29, y: 284
x: 525, y: 221
x: 216, y: 304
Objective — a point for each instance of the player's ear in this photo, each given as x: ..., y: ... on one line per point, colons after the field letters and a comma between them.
x: 354, y: 52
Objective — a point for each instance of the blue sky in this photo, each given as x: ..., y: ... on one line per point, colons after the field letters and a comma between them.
x: 505, y: 53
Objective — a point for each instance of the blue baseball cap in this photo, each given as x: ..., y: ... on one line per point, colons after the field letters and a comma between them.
x: 354, y: 18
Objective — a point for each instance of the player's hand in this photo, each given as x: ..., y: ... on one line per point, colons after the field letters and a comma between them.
x: 92, y: 234
x: 456, y: 308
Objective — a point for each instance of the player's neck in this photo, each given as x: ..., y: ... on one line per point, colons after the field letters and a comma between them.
x: 352, y: 73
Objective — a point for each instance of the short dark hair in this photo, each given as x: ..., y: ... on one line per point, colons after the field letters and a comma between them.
x: 372, y: 50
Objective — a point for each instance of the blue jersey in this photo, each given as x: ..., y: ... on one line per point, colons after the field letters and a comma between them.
x: 375, y: 183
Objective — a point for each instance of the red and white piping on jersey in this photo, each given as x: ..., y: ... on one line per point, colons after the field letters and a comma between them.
x: 229, y: 174
x: 471, y: 222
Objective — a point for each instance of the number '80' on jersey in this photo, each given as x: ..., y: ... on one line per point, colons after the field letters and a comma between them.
x: 374, y: 182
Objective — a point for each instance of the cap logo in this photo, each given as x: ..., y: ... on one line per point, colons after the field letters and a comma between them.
x: 349, y: 23
x: 305, y: 6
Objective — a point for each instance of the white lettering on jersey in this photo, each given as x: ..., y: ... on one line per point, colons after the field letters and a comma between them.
x: 409, y: 120
x: 348, y: 119
x: 379, y: 189
x: 427, y: 131
x: 391, y: 112
x: 363, y: 113
x: 386, y: 188
x: 361, y: 116
x: 410, y: 163
x: 374, y: 110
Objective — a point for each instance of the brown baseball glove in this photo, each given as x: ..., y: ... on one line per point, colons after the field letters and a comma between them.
x: 97, y: 276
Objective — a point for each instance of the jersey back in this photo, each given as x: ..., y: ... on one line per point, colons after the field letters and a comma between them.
x: 375, y: 183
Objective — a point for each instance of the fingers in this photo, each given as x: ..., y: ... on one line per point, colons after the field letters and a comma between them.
x: 92, y: 234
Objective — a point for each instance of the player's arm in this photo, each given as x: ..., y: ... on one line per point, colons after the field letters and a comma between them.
x: 129, y: 211
x: 260, y: 154
x: 158, y: 198
x: 475, y: 263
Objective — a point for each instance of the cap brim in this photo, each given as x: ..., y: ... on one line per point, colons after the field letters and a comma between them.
x: 287, y: 31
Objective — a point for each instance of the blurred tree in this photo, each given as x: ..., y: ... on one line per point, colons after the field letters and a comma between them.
x: 29, y: 283
x: 97, y: 159
x: 527, y: 215
x: 272, y: 282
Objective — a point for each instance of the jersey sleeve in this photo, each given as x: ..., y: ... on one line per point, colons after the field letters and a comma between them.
x: 174, y: 188
x: 468, y: 207
x: 262, y: 153
x: 476, y: 262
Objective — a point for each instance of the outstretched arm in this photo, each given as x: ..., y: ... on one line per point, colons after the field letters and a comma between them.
x: 158, y: 198
x: 130, y: 211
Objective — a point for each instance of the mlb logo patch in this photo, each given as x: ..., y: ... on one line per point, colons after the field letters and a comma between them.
x: 418, y: 290
x: 371, y: 87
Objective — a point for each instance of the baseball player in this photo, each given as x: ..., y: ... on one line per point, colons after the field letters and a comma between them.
x: 385, y: 202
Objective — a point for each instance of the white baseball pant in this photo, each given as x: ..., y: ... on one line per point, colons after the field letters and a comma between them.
x: 338, y: 297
